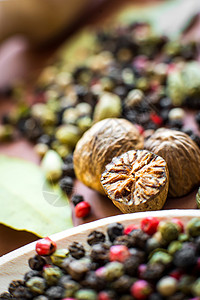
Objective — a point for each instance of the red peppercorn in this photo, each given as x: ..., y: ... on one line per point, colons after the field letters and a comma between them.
x: 156, y: 119
x: 45, y: 246
x: 82, y: 209
x: 141, y: 290
x: 119, y: 253
x: 149, y: 225
x: 178, y: 223
x: 177, y: 274
x: 130, y: 228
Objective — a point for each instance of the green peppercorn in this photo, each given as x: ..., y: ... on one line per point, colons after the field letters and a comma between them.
x: 196, y: 288
x: 134, y: 98
x: 52, y: 165
x: 198, y: 198
x: 108, y: 106
x: 113, y: 270
x: 128, y: 76
x: 193, y: 227
x: 176, y: 88
x: 160, y: 255
x: 6, y: 133
x: 70, y: 286
x: 84, y: 123
x: 174, y: 246
x: 36, y: 285
x: 142, y: 83
x: 107, y: 84
x: 41, y: 149
x: 183, y: 237
x: 172, y: 48
x: 169, y: 231
x: 41, y: 112
x: 63, y: 150
x: 68, y: 134
x: 185, y: 284
x: 152, y: 244
x: 58, y: 256
x: 84, y: 109
x: 70, y: 115
x: 52, y: 275
x: 86, y: 294
x: 167, y: 286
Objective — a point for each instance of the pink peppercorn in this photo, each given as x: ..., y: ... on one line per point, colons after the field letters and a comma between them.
x: 45, y: 246
x: 104, y: 296
x: 119, y: 253
x: 82, y: 209
x: 141, y: 290
x: 141, y: 269
x: 130, y: 228
x: 149, y: 225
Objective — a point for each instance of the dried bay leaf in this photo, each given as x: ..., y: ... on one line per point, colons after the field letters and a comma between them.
x: 28, y: 202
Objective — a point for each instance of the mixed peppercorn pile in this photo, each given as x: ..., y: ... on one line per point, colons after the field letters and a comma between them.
x: 157, y: 260
x: 133, y: 73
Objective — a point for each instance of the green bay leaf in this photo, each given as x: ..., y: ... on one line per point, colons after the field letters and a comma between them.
x: 28, y: 202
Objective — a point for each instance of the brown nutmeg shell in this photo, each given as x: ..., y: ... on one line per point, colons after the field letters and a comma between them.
x: 182, y: 156
x: 104, y: 140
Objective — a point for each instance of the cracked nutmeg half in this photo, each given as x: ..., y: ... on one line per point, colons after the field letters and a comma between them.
x: 137, y: 180
x: 182, y: 156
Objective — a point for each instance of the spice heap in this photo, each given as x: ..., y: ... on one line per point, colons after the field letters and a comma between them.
x: 157, y: 260
x: 133, y: 74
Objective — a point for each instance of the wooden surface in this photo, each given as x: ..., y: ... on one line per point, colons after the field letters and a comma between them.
x: 17, y: 60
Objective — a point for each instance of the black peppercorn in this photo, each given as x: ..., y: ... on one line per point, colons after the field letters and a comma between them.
x: 100, y: 253
x: 5, y: 296
x: 153, y: 272
x: 126, y: 240
x: 197, y: 118
x: 22, y: 293
x: 185, y: 258
x: 96, y: 237
x: 114, y: 230
x: 131, y: 266
x: 140, y: 238
x: 66, y: 184
x: 55, y: 292
x: 77, y: 199
x: 68, y: 170
x: 122, y: 285
x: 14, y: 285
x: 155, y: 296
x: 31, y: 274
x: 76, y: 250
x: 36, y: 263
x: 91, y: 281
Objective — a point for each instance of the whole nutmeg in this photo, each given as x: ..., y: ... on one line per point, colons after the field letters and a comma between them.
x: 182, y: 156
x: 104, y: 140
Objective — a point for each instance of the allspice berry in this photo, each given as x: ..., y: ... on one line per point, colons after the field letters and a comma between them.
x: 182, y: 156
x: 104, y: 140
